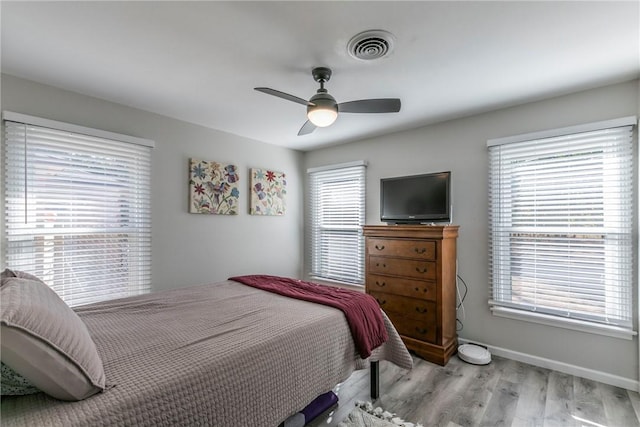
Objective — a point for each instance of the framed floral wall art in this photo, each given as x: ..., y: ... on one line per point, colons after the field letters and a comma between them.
x: 213, y: 188
x: 268, y: 191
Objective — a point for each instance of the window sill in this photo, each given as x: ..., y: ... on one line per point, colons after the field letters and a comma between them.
x: 337, y: 284
x: 576, y: 325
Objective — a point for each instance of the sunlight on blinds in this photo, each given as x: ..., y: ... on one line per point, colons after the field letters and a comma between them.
x: 78, y: 212
x: 560, y: 218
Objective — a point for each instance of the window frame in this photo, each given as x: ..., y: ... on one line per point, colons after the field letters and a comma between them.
x: 513, y: 310
x: 118, y: 235
x: 321, y: 265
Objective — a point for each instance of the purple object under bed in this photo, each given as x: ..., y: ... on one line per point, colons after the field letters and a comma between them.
x: 318, y: 406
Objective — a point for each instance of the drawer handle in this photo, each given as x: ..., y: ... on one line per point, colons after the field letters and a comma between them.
x: 383, y: 265
x: 380, y: 284
x: 423, y: 289
x: 421, y: 331
x: 383, y: 302
x: 421, y: 310
x: 422, y: 270
x: 420, y: 251
x: 381, y: 247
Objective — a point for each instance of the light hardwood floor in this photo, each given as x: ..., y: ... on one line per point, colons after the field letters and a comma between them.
x: 503, y: 393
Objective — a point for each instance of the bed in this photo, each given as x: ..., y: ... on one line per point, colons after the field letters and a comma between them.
x: 222, y: 354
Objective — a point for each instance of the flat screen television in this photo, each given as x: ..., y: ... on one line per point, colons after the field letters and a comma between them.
x: 416, y: 199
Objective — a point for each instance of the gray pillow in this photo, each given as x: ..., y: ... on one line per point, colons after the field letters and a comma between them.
x: 46, y: 342
x: 14, y: 384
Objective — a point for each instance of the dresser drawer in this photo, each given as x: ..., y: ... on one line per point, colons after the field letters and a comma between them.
x: 405, y: 287
x: 422, y: 249
x: 418, y: 309
x: 408, y: 327
x: 425, y: 270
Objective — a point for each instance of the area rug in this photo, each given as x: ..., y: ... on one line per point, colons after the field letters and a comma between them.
x: 365, y: 415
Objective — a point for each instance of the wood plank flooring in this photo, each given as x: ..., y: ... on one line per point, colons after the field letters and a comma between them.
x: 503, y: 393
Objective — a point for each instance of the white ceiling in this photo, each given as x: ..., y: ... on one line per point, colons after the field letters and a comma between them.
x: 199, y: 61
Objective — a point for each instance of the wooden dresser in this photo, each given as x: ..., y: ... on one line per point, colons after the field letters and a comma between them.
x: 411, y: 271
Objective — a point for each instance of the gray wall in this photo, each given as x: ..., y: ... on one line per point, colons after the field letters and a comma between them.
x: 460, y: 146
x: 188, y: 248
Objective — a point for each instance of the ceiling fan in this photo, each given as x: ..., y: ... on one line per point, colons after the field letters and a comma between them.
x: 322, y: 108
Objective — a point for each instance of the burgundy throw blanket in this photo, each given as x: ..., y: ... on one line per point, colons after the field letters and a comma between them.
x: 362, y: 311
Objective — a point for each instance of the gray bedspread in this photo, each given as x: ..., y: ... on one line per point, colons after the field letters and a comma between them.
x: 221, y: 354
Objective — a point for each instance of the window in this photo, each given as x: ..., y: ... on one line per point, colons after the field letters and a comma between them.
x: 560, y: 214
x: 337, y: 211
x: 77, y: 208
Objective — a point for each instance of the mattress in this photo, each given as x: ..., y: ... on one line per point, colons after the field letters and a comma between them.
x: 221, y: 354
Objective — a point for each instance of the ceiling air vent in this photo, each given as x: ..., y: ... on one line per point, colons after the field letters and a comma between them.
x: 370, y: 45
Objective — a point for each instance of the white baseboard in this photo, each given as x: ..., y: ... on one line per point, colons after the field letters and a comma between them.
x: 566, y: 368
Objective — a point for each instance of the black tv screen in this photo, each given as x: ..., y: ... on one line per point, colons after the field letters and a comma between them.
x: 416, y: 199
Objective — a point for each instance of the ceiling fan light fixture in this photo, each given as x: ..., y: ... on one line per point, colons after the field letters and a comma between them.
x: 324, y: 110
x: 322, y: 117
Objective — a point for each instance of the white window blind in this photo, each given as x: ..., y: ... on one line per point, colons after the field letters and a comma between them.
x: 77, y: 212
x: 560, y: 226
x: 337, y: 210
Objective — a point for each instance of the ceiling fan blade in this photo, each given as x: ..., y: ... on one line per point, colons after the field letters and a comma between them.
x: 382, y: 105
x: 306, y: 128
x: 283, y: 95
